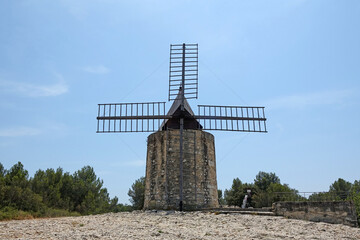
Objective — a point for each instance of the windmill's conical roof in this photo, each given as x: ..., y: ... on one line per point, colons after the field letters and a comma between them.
x: 175, y: 110
x: 177, y: 104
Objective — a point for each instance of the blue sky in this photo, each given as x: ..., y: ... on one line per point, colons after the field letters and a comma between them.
x: 300, y: 59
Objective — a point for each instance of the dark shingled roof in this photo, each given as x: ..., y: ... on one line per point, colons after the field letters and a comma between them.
x: 175, y: 111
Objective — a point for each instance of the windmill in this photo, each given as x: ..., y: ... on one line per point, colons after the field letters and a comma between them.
x: 179, y: 137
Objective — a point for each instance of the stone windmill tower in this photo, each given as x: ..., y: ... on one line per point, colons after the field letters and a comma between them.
x: 180, y: 164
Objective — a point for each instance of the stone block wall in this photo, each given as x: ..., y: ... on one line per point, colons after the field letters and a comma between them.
x: 163, y: 170
x: 342, y: 212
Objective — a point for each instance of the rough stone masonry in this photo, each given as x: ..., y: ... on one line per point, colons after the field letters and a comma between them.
x: 163, y: 171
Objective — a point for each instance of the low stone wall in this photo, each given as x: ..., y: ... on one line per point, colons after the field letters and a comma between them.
x: 330, y: 212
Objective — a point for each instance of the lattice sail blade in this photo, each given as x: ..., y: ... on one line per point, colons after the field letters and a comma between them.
x: 232, y: 118
x: 183, y: 67
x: 130, y: 117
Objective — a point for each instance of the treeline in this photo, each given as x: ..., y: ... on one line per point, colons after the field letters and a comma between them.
x: 339, y: 190
x: 52, y: 193
x: 267, y: 189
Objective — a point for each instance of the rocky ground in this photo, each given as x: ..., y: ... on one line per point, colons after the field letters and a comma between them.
x: 173, y: 225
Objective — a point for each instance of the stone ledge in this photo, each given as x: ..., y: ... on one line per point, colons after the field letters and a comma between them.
x: 337, y: 212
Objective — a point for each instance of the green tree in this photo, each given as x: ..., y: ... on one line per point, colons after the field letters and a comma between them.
x: 66, y: 191
x: 17, y: 176
x: 340, y: 188
x: 355, y: 197
x: 235, y: 195
x: 88, y: 194
x: 282, y: 192
x: 2, y: 182
x: 2, y: 171
x: 15, y: 190
x: 114, y: 206
x: 48, y: 184
x: 137, y: 193
x: 88, y: 205
x: 264, y: 179
x: 275, y: 192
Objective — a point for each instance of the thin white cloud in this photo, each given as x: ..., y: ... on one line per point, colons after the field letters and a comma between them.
x: 46, y: 128
x: 33, y: 90
x: 310, y: 99
x: 96, y: 69
x: 19, y: 132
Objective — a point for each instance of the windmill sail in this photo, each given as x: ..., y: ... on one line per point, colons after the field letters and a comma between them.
x: 183, y: 70
x: 130, y: 117
x: 232, y: 118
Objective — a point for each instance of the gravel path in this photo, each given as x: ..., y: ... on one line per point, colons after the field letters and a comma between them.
x: 173, y: 225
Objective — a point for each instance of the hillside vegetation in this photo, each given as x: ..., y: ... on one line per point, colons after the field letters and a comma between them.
x: 52, y: 193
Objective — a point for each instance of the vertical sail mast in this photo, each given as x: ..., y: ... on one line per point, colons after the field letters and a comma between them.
x: 184, y: 60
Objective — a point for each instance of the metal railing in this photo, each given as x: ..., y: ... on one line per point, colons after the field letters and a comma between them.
x: 312, y: 196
